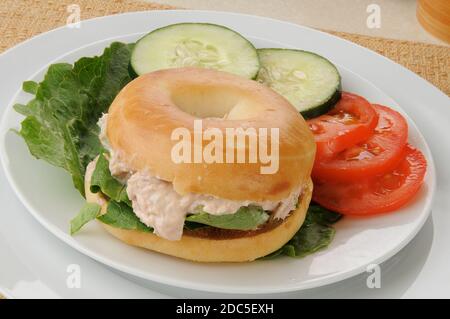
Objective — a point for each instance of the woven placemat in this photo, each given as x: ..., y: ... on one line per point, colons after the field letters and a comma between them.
x: 22, y: 19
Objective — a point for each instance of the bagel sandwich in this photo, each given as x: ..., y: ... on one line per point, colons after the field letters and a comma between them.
x: 200, y: 210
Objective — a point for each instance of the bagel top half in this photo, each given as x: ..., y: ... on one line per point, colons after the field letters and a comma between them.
x: 143, y: 116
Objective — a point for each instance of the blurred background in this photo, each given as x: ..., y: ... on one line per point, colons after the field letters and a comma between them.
x: 398, y: 17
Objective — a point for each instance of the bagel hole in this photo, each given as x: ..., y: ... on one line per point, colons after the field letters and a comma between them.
x: 214, y: 102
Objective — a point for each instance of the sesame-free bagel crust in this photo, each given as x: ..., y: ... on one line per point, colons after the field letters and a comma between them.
x: 145, y: 113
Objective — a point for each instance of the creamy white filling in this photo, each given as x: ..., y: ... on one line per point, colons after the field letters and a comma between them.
x: 158, y: 205
x: 99, y: 199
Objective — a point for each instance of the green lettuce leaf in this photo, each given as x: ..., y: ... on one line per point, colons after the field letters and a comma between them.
x: 315, y: 234
x: 30, y: 87
x: 103, y: 181
x: 312, y: 238
x: 88, y: 212
x: 320, y: 215
x: 120, y: 215
x: 246, y: 218
x: 61, y: 120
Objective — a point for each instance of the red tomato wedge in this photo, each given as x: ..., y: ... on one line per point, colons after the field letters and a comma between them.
x: 380, y: 194
x: 378, y: 154
x: 350, y: 122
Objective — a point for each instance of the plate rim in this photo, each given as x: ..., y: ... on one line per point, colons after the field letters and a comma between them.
x: 324, y: 280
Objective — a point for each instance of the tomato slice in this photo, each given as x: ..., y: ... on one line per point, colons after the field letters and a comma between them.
x: 378, y: 154
x: 380, y: 194
x: 351, y: 121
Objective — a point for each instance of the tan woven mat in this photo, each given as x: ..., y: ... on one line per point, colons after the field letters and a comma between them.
x: 22, y: 19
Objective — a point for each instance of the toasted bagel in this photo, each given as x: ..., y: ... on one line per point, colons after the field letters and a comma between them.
x: 143, y: 116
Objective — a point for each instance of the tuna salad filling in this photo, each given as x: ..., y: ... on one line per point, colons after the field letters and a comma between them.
x: 156, y: 203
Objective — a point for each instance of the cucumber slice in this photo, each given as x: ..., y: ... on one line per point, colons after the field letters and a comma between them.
x: 195, y: 44
x: 309, y: 81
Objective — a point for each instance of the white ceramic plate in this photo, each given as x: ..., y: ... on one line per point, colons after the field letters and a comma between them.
x: 39, y: 270
x: 48, y: 194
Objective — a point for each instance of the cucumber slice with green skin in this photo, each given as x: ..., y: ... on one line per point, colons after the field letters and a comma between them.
x: 309, y: 81
x: 198, y: 45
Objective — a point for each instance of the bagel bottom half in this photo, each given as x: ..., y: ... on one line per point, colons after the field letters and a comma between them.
x: 218, y: 246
